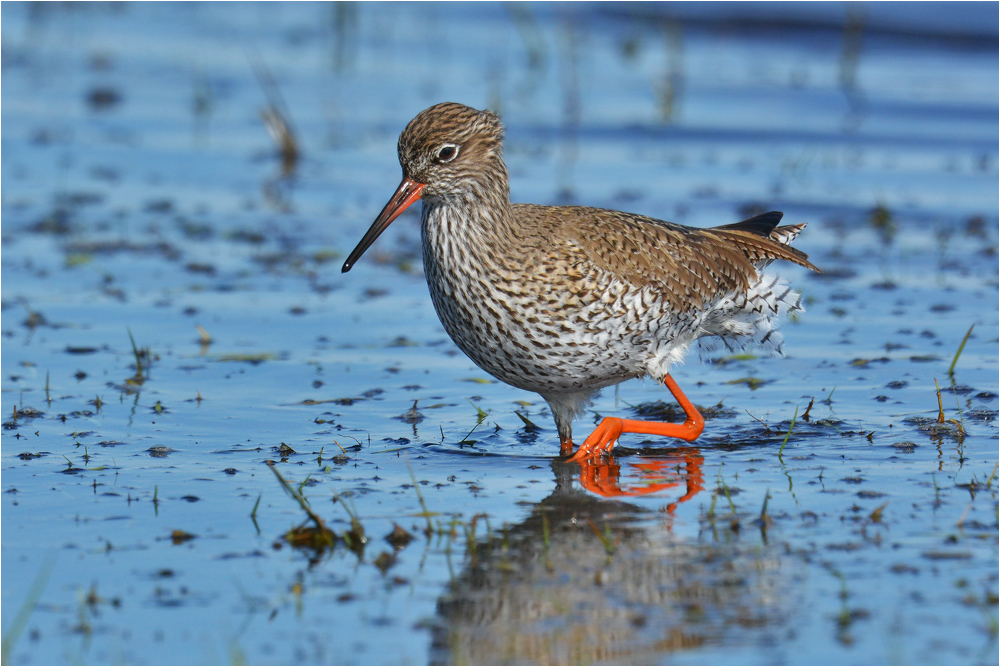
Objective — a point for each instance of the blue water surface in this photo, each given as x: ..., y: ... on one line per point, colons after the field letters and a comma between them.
x: 143, y: 197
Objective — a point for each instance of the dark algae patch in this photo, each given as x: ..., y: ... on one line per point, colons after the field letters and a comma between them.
x: 216, y: 449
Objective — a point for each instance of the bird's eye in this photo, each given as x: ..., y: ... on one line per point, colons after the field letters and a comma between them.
x: 447, y: 153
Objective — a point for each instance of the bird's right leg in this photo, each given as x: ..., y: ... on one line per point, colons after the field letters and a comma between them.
x: 610, y: 429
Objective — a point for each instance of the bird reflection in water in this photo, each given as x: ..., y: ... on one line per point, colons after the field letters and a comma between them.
x: 584, y: 578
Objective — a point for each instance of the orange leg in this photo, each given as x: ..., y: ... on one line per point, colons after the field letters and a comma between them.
x: 610, y: 429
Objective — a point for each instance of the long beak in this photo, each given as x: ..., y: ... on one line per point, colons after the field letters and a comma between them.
x: 407, y: 193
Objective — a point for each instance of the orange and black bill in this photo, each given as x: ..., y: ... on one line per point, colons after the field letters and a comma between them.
x: 407, y: 193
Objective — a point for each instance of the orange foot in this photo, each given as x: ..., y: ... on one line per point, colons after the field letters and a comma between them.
x: 610, y: 429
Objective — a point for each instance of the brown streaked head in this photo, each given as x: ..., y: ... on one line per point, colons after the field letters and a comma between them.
x: 450, y: 147
x: 448, y: 152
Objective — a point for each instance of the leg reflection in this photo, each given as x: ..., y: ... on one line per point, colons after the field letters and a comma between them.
x: 674, y: 467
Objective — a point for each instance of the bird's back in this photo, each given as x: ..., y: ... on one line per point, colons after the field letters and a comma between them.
x: 687, y: 267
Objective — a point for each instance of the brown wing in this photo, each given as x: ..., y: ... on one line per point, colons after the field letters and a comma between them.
x: 687, y: 266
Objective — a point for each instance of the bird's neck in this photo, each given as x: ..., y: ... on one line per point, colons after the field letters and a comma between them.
x: 480, y: 212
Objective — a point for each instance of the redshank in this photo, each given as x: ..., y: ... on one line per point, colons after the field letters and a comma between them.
x: 566, y: 300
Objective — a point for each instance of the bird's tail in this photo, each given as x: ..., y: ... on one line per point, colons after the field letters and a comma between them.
x: 763, y: 241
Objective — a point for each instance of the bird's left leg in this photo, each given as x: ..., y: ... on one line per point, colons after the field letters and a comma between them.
x: 564, y: 423
x: 610, y: 429
x: 565, y: 448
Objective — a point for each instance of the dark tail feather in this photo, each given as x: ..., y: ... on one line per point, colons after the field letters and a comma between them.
x: 762, y: 240
x: 761, y: 225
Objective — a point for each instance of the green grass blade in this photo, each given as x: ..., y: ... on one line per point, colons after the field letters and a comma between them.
x: 27, y: 607
x: 951, y: 369
x: 790, y: 427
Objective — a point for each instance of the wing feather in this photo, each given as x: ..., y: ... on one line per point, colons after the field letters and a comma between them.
x: 687, y: 266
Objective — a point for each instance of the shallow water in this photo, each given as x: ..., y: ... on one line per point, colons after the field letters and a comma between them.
x: 143, y: 196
